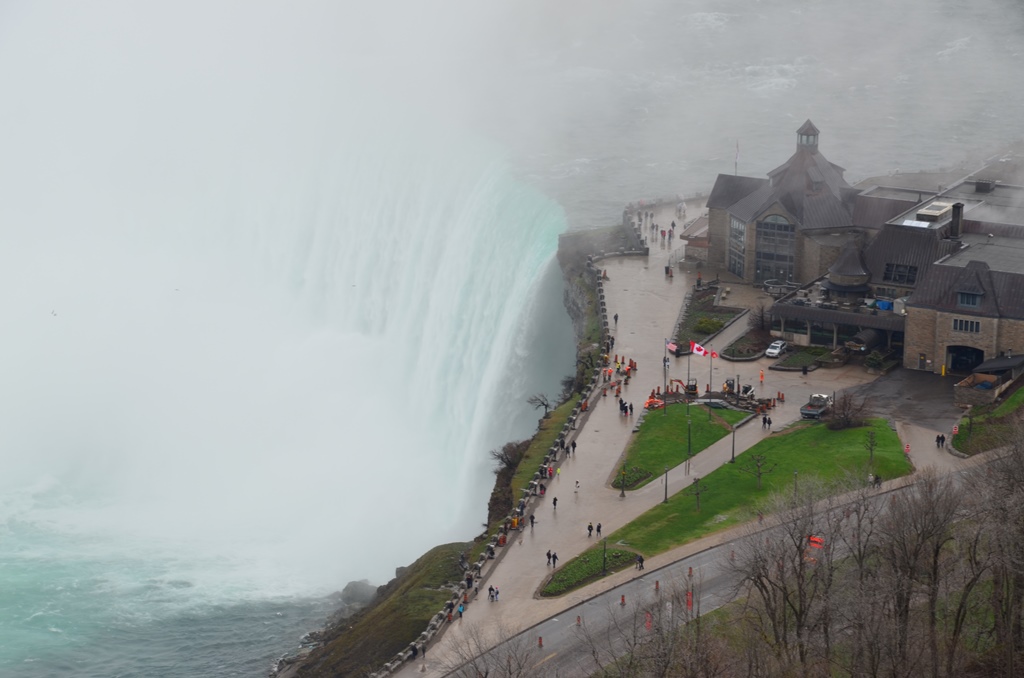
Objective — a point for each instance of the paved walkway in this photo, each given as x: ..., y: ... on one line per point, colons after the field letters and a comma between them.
x: 647, y: 303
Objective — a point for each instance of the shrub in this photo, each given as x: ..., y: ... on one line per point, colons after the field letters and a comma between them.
x: 708, y: 325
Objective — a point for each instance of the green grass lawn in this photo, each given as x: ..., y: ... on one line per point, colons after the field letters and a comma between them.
x: 991, y: 426
x: 545, y: 437
x: 732, y: 495
x: 663, y: 439
x: 799, y: 356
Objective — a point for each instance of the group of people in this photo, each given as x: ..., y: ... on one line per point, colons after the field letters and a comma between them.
x: 766, y: 422
x: 940, y: 440
x: 590, y: 530
x: 625, y: 409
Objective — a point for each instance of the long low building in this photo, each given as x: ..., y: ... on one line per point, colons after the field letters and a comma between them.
x: 933, y: 271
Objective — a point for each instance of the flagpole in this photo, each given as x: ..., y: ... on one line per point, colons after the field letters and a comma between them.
x: 688, y: 381
x: 711, y: 373
x: 664, y: 364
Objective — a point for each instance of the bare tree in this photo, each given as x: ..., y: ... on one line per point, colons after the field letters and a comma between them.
x: 506, y: 655
x: 847, y: 412
x: 759, y: 318
x: 916, y: 530
x: 696, y: 489
x: 509, y: 456
x: 871, y: 444
x: 660, y: 635
x: 756, y: 465
x: 539, y: 400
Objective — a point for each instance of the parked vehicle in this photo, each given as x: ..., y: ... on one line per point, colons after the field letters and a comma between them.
x: 776, y: 349
x: 818, y: 405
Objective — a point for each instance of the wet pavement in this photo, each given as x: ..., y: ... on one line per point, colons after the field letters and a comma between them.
x: 648, y: 304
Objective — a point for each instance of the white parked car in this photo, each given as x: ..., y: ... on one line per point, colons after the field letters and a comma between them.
x: 776, y: 349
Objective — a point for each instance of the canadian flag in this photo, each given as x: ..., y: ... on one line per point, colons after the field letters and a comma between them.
x: 697, y: 349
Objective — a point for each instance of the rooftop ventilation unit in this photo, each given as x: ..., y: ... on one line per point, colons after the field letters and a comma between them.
x: 935, y: 211
x: 984, y: 186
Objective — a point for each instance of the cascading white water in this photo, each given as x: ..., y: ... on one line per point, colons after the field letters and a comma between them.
x: 252, y: 349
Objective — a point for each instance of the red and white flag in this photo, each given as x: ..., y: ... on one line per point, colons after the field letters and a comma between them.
x: 697, y: 349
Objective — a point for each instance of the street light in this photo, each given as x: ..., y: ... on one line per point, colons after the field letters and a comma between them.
x: 666, y: 486
x: 733, y: 460
x: 623, y: 492
x: 689, y: 445
x: 664, y: 363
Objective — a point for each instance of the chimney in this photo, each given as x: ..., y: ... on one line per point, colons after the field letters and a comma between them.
x: 956, y: 226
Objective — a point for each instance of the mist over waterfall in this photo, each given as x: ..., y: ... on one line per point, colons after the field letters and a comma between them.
x: 261, y: 325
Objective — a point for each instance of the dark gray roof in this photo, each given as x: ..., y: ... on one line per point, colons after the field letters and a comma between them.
x: 907, y: 246
x: 849, y: 262
x: 753, y: 204
x: 1000, y: 364
x: 729, y: 189
x: 1002, y: 293
x: 873, y: 212
x: 808, y: 187
x: 882, y: 321
x: 808, y: 128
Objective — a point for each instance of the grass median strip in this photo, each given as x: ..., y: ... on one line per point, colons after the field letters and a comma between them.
x: 731, y: 496
x: 663, y: 439
x: 587, y: 567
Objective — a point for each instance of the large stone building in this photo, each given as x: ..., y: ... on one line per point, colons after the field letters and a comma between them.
x: 789, y: 227
x: 943, y: 280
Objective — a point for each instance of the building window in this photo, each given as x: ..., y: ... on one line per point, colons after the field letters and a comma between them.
x: 775, y: 249
x: 737, y: 246
x: 887, y: 293
x: 900, y: 274
x: 968, y: 299
x: 960, y: 325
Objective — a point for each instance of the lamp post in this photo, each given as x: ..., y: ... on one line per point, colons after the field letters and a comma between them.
x: 604, y: 558
x: 666, y: 486
x: 623, y: 492
x: 733, y: 460
x: 664, y: 363
x: 689, y: 445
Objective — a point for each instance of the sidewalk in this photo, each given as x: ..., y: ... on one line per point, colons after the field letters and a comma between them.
x: 647, y: 303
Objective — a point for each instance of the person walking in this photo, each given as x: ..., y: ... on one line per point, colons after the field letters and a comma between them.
x: 549, y: 565
x: 531, y: 521
x: 554, y: 560
x: 599, y: 529
x: 640, y: 562
x: 616, y: 316
x: 769, y: 423
x: 461, y: 610
x: 577, y: 487
x: 590, y: 530
x: 764, y: 421
x: 573, y: 448
x: 554, y: 503
x: 938, y: 440
x: 762, y: 377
